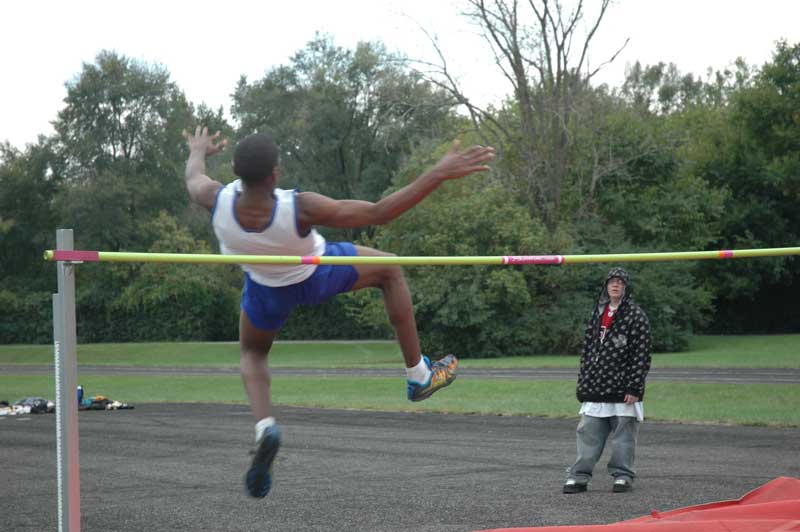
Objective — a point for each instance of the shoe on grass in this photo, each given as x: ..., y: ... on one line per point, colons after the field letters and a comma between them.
x: 258, y: 479
x: 443, y: 372
x: 573, y: 486
x: 622, y: 485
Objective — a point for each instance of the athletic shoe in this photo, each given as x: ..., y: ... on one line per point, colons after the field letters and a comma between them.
x: 443, y: 372
x: 259, y: 477
x: 622, y: 485
x: 573, y: 486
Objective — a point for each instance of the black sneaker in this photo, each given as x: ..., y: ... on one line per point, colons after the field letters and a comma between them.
x: 573, y: 486
x: 622, y: 485
x: 259, y: 477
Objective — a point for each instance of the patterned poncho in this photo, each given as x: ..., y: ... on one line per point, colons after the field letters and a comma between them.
x: 619, y: 364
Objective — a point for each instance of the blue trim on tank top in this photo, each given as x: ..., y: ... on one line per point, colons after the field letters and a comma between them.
x: 296, y: 223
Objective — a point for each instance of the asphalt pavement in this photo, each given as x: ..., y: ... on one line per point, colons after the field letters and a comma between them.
x: 164, y: 467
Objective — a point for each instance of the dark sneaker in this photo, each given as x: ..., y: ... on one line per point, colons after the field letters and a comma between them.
x: 259, y: 477
x: 443, y: 372
x: 622, y: 485
x: 573, y: 486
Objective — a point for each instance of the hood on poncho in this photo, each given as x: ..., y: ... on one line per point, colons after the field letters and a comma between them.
x: 621, y: 274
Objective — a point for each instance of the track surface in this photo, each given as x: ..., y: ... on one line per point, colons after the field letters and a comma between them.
x: 180, y: 467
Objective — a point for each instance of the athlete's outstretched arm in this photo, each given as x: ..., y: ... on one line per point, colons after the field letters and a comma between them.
x: 316, y: 209
x: 202, y: 189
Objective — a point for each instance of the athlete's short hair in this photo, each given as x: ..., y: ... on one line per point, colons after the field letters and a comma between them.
x: 255, y: 158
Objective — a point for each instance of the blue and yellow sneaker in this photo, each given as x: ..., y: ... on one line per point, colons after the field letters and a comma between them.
x: 259, y: 477
x: 443, y: 372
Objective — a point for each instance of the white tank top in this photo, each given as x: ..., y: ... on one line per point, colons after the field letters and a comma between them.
x: 280, y: 237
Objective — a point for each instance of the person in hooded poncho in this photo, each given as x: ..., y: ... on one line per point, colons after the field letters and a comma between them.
x: 611, y: 385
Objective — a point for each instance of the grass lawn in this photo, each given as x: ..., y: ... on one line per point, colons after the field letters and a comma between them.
x: 214, y: 354
x: 749, y: 404
x: 778, y: 351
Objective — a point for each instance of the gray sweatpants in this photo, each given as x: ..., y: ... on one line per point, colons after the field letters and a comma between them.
x: 592, y: 434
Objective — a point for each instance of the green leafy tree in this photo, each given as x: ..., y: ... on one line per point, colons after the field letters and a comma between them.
x: 344, y: 119
x: 755, y: 156
x: 474, y: 311
x: 28, y: 184
x: 542, y: 49
x: 652, y: 200
x: 663, y: 89
x: 120, y: 138
x: 155, y: 301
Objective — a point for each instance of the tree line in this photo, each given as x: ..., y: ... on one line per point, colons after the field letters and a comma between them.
x: 665, y: 162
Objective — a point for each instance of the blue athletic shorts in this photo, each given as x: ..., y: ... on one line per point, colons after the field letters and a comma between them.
x: 268, y: 307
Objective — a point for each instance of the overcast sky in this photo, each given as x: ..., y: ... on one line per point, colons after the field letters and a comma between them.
x: 206, y: 46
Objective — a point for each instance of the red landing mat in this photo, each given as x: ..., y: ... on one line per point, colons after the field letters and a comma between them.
x: 774, y: 507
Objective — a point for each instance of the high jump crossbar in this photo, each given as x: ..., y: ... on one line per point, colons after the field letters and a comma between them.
x: 64, y: 326
x: 74, y: 256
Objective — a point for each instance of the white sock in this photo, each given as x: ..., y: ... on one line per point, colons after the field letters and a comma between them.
x: 263, y: 425
x: 419, y: 373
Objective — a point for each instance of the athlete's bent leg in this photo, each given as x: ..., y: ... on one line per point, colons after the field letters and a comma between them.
x: 423, y: 377
x: 396, y: 299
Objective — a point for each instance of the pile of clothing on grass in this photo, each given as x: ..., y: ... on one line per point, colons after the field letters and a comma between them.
x: 28, y: 405
x: 39, y: 405
x: 101, y: 402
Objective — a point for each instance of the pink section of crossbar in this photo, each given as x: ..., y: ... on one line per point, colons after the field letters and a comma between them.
x: 75, y: 256
x: 533, y: 259
x: 726, y: 254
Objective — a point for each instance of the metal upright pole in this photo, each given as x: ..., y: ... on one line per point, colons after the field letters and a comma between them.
x: 66, y: 377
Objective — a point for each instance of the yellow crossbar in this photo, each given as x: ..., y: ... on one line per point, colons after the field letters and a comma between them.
x: 191, y: 258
